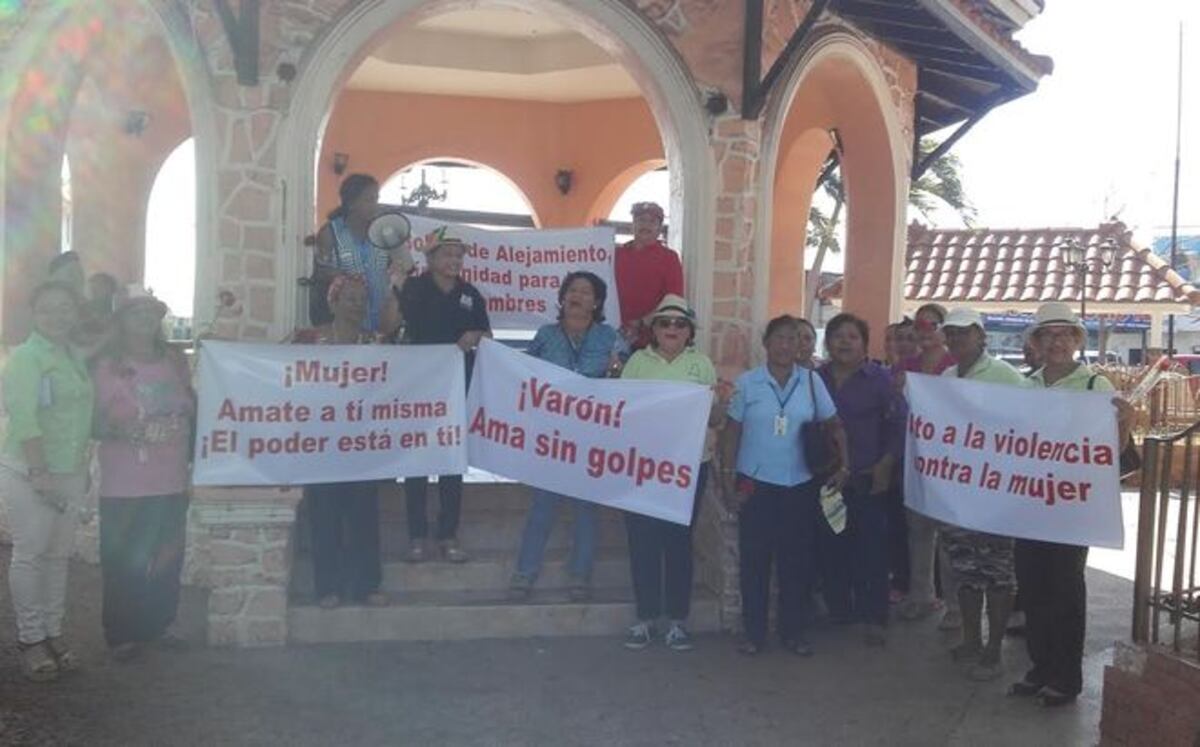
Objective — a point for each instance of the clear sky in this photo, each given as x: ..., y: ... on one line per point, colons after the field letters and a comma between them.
x: 1096, y: 139
x: 1098, y: 136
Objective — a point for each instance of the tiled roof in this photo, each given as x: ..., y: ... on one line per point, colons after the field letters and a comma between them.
x: 983, y: 14
x: 1025, y: 266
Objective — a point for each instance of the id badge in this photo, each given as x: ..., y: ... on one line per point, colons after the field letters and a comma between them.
x: 46, y: 391
x: 781, y: 425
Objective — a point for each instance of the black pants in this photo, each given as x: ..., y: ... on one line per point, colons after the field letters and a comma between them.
x: 897, y: 530
x: 854, y: 564
x: 660, y: 561
x: 142, y: 541
x: 1054, y: 592
x: 345, y: 538
x: 450, y: 488
x: 777, y: 525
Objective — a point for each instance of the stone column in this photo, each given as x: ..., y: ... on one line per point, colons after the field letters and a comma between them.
x: 242, y: 551
x: 736, y: 146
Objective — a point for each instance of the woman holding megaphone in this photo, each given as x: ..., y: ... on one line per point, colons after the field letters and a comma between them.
x: 344, y: 246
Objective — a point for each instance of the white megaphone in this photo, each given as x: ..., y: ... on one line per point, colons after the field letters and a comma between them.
x: 389, y: 229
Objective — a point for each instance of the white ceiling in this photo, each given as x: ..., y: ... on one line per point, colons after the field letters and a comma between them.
x: 507, y: 54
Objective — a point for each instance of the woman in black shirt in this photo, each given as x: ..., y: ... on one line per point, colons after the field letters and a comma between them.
x: 439, y: 307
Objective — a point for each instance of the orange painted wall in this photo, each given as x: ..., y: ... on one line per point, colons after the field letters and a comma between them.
x: 527, y: 141
x: 112, y: 172
x: 834, y: 95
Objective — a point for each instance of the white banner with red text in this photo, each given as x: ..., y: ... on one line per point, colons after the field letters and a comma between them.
x: 519, y: 272
x: 1038, y: 463
x: 629, y: 444
x: 303, y: 414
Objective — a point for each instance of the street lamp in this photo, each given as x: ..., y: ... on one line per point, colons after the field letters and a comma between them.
x: 1075, y: 257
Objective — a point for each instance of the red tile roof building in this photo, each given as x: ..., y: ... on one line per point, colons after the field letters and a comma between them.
x: 1020, y: 268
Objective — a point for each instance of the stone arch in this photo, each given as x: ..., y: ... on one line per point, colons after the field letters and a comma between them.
x: 837, y: 84
x: 70, y: 26
x: 617, y: 27
x: 616, y: 186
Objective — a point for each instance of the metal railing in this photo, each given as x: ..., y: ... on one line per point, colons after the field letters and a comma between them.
x: 1166, y: 591
x: 1173, y: 404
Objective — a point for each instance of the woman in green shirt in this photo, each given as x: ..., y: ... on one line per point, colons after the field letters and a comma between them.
x: 1051, y: 574
x: 660, y: 552
x: 43, y: 474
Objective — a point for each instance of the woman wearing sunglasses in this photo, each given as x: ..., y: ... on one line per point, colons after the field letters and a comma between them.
x: 933, y: 357
x: 660, y: 552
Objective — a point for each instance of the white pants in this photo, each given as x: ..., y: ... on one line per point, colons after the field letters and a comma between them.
x: 42, y: 536
x: 924, y: 550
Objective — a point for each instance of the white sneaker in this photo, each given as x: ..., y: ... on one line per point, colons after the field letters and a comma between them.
x: 677, y: 638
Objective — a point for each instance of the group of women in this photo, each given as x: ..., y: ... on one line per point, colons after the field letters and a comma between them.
x: 794, y: 434
x: 131, y: 393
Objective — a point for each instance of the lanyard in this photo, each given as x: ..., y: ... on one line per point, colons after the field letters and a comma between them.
x: 787, y: 398
x: 576, y: 352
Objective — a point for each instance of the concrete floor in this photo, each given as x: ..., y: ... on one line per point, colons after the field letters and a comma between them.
x: 572, y: 691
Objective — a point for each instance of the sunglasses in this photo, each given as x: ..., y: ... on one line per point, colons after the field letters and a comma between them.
x: 677, y: 323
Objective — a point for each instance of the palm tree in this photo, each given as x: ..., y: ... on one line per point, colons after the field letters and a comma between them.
x: 941, y: 183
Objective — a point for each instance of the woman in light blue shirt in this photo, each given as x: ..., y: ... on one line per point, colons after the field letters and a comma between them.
x: 773, y: 489
x: 581, y: 342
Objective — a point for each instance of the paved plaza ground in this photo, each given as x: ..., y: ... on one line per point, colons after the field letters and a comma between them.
x: 561, y: 691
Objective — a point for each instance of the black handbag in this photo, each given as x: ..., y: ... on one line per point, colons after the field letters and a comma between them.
x: 814, y: 440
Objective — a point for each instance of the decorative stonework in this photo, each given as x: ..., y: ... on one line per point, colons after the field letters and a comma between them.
x: 735, y: 144
x: 244, y: 554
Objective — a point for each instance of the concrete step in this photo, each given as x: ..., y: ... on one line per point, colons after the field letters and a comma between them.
x: 486, y: 571
x: 442, y: 616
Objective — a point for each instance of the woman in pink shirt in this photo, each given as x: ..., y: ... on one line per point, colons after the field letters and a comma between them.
x: 145, y: 411
x: 932, y: 358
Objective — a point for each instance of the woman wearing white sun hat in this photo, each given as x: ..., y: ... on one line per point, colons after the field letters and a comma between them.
x: 1051, y: 574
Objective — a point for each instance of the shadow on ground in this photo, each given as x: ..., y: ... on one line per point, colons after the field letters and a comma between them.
x: 561, y: 691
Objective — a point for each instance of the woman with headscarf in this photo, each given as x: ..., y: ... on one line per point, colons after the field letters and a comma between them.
x: 145, y: 411
x: 48, y: 396
x: 344, y: 517
x: 660, y: 552
x: 342, y: 247
x: 579, y: 341
x: 1051, y: 574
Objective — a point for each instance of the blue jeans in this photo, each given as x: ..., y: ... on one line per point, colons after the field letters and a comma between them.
x: 537, y: 531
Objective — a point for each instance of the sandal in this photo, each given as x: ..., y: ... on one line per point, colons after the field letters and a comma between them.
x: 63, y: 655
x: 1024, y: 689
x: 799, y: 647
x: 123, y: 652
x: 749, y: 648
x: 37, y: 662
x: 1048, y: 697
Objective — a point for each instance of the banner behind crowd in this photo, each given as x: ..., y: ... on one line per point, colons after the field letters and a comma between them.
x: 633, y: 445
x: 519, y: 272
x: 297, y: 414
x: 1031, y: 463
